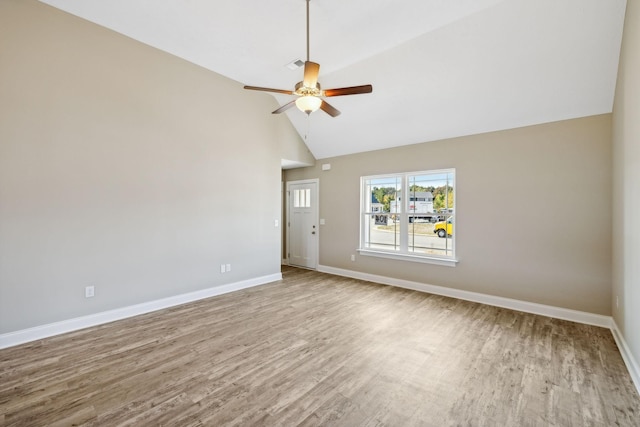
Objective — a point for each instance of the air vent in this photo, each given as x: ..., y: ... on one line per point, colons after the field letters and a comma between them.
x: 294, y: 65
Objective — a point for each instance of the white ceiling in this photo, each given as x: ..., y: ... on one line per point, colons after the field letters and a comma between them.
x: 439, y: 68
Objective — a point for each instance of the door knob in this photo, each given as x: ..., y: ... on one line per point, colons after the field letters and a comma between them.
x: 313, y: 232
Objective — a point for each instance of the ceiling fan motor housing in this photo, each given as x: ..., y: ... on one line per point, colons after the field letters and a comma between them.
x: 303, y: 90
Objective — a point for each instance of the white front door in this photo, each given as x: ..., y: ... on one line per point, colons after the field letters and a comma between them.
x: 302, y: 223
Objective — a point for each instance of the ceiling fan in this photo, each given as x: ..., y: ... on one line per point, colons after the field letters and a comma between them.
x: 308, y: 91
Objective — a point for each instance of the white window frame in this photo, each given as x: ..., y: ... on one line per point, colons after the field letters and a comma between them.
x: 403, y: 253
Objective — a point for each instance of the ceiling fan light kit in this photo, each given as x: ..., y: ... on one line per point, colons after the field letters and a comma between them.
x: 308, y: 104
x: 308, y: 90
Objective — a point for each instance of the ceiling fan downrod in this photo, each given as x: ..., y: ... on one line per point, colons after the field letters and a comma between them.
x: 308, y: 31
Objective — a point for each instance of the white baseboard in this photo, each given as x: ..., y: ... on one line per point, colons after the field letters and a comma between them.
x: 44, y: 331
x: 513, y: 304
x: 627, y: 356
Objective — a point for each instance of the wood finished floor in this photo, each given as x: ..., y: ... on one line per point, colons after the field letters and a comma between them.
x: 316, y: 349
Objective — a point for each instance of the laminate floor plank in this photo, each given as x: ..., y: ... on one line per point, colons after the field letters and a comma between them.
x: 316, y: 349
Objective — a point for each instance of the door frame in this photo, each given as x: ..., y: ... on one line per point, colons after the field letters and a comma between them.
x: 316, y: 215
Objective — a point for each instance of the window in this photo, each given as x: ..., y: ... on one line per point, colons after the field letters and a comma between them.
x: 409, y: 216
x: 302, y: 198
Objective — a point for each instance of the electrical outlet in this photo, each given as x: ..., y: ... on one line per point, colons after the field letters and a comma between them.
x: 222, y: 268
x: 353, y: 257
x: 228, y: 267
x: 617, y: 302
x: 89, y: 291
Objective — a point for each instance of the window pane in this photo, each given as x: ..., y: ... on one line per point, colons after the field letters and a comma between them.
x: 431, y: 202
x: 382, y: 194
x: 424, y: 238
x: 381, y: 226
x: 382, y: 232
x: 307, y: 198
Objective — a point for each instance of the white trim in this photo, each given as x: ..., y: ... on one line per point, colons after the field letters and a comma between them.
x: 513, y: 304
x: 449, y: 262
x: 627, y: 356
x: 44, y: 331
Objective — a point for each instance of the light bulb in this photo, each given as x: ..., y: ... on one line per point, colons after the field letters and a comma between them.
x: 308, y: 104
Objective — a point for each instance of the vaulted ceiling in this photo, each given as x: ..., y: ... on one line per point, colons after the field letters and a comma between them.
x: 439, y: 69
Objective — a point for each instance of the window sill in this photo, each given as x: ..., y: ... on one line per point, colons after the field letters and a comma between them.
x: 449, y: 262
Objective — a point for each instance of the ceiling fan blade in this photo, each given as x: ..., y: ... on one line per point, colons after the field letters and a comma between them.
x: 311, y: 71
x: 266, y: 89
x: 353, y: 90
x: 285, y: 107
x: 330, y: 110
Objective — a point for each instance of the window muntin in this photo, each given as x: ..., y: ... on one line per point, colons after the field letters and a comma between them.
x: 403, y: 214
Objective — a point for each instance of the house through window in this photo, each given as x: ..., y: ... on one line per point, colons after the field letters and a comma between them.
x: 409, y: 215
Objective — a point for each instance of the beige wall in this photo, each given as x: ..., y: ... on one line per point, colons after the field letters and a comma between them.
x: 626, y: 184
x: 297, y: 152
x: 125, y: 168
x: 533, y: 212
